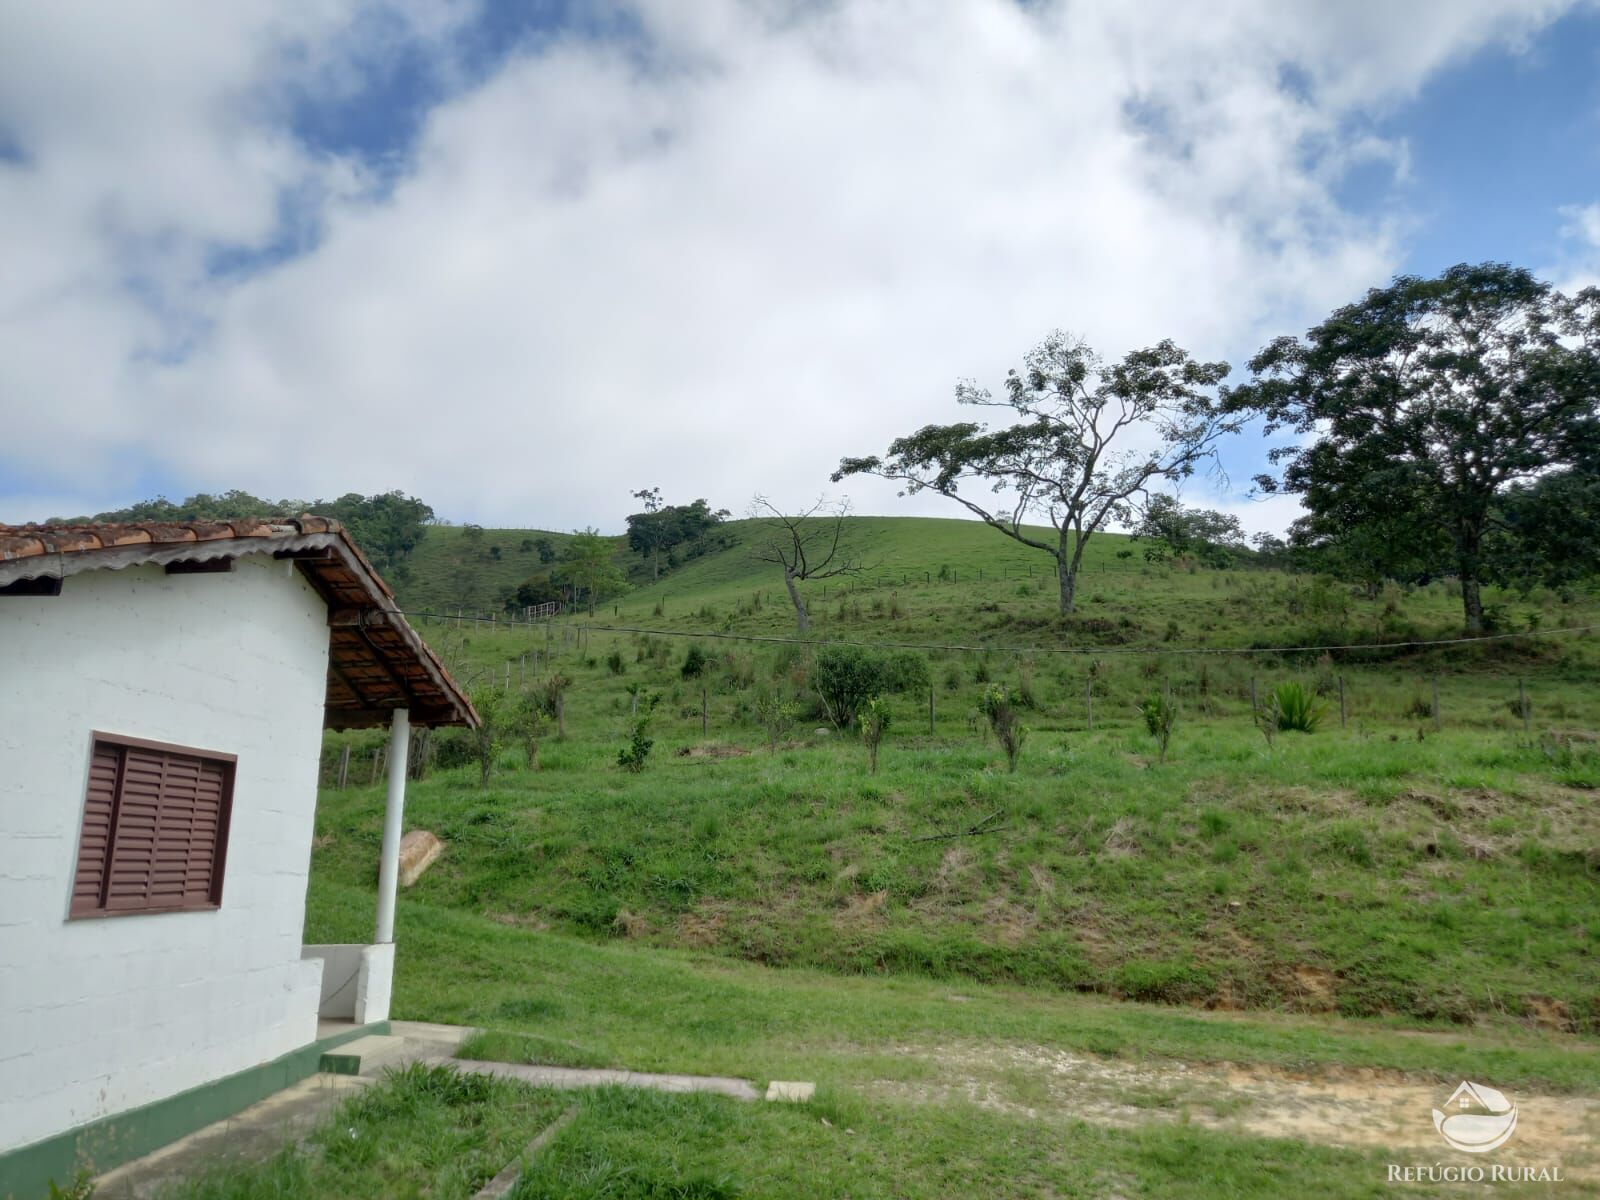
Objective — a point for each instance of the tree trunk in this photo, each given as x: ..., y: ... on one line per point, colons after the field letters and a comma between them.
x: 802, y: 618
x: 1472, y: 603
x: 1067, y: 574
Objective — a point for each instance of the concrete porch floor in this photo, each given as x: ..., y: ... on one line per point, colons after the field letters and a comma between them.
x: 260, y: 1130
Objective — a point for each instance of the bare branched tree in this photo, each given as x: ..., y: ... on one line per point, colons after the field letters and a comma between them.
x: 805, y: 545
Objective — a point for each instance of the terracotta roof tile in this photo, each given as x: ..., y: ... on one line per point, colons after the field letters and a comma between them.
x: 374, y: 667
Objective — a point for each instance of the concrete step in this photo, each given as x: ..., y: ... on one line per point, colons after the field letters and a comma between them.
x: 362, y: 1056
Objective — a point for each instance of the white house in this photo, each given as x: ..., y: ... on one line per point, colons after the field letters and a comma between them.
x: 163, y: 692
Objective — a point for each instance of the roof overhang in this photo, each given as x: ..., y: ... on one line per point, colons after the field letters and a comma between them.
x: 376, y: 661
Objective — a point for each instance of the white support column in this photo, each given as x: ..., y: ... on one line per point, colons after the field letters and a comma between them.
x: 393, y: 821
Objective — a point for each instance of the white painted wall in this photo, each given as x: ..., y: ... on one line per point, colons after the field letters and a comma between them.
x: 100, y: 1015
x: 357, y: 980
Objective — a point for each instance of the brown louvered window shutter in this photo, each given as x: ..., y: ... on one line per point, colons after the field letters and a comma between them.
x: 155, y: 828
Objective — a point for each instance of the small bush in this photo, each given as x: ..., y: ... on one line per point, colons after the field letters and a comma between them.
x: 632, y: 757
x: 614, y: 662
x: 874, y: 721
x: 905, y: 671
x: 694, y: 662
x: 1004, y: 722
x: 776, y: 716
x: 1160, y: 715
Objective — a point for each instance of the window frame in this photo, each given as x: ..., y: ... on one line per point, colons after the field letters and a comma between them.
x: 219, y: 858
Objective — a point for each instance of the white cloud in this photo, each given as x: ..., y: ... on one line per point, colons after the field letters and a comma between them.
x: 1582, y: 231
x: 716, y: 259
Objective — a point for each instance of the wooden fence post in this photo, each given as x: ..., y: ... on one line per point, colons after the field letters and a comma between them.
x: 1342, y: 710
x: 1527, y: 714
x: 344, y: 766
x: 1255, y: 700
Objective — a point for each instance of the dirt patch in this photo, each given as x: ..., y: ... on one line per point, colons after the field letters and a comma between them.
x: 1009, y: 923
x: 955, y: 864
x: 712, y: 750
x: 1043, y: 880
x: 630, y: 924
x: 1313, y: 988
x: 1546, y: 1012
x: 1357, y: 1107
x: 1121, y: 841
x: 862, y: 910
x: 519, y: 920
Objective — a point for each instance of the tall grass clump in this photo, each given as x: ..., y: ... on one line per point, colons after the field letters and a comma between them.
x: 1295, y: 707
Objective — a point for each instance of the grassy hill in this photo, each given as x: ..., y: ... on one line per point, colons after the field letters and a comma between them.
x: 1407, y: 895
x: 1391, y: 863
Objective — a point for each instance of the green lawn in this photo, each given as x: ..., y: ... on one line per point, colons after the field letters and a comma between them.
x: 432, y: 1134
x: 1396, y: 892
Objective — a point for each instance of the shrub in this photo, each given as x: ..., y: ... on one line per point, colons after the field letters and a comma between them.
x: 1025, y: 692
x: 614, y: 662
x: 776, y: 716
x: 632, y: 756
x: 1266, y: 717
x: 694, y: 662
x: 845, y: 678
x: 874, y: 719
x: 1004, y: 722
x: 741, y: 667
x: 493, y: 707
x: 1296, y: 707
x: 905, y: 671
x: 1160, y: 715
x: 526, y: 724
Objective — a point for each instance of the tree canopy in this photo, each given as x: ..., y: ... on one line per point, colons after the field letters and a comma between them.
x: 588, y: 563
x: 1090, y: 439
x: 661, y: 528
x: 1430, y: 413
x: 1174, y: 531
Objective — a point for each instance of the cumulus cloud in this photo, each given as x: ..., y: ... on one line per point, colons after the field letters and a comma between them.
x: 1582, y: 231
x: 714, y: 254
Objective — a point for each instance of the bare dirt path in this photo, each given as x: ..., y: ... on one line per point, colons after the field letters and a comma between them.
x: 1361, y: 1108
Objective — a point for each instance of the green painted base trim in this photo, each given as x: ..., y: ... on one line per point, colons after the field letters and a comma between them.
x: 26, y: 1173
x: 341, y: 1064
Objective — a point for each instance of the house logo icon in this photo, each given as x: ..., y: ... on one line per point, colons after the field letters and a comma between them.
x: 1476, y: 1119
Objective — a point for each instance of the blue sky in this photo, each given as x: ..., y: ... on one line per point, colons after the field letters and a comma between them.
x: 1499, y: 145
x: 521, y: 259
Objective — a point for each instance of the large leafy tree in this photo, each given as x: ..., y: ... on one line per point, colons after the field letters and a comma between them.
x: 1175, y: 531
x: 661, y: 528
x: 588, y: 563
x: 1425, y: 405
x: 387, y: 526
x: 1089, y: 441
